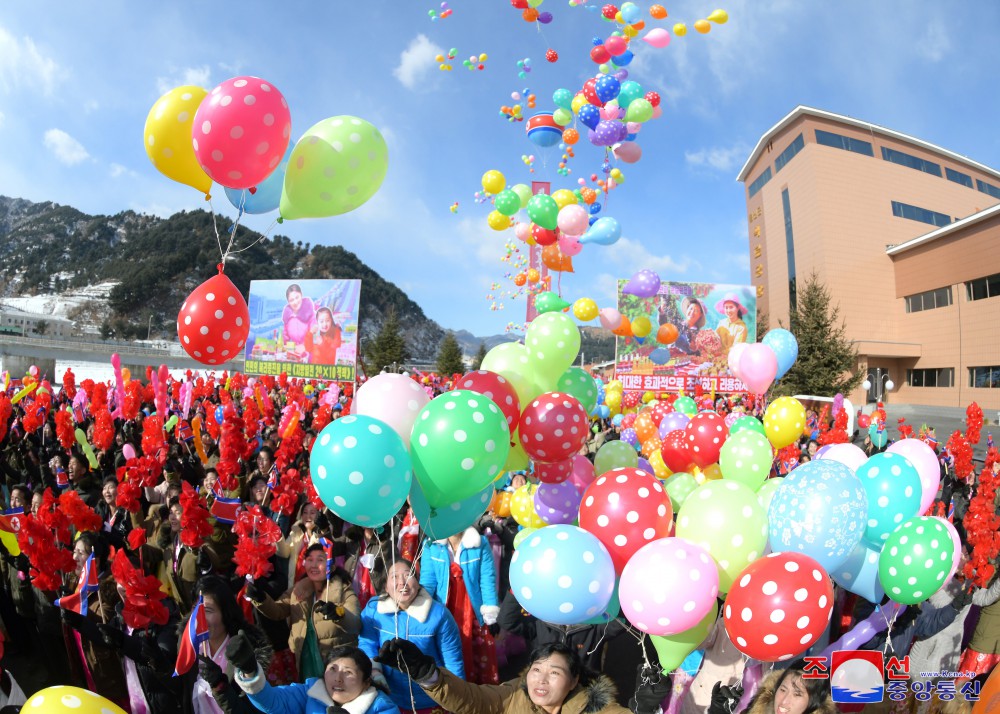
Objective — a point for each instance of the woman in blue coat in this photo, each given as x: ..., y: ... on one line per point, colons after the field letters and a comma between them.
x: 459, y: 573
x: 406, y: 610
x: 346, y: 687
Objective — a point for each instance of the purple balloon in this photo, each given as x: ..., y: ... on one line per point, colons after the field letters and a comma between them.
x: 866, y: 629
x: 752, y: 674
x: 605, y: 133
x: 630, y: 437
x: 643, y: 284
x: 563, y: 495
x: 646, y: 466
x: 621, y: 75
x: 675, y: 420
x: 544, y: 17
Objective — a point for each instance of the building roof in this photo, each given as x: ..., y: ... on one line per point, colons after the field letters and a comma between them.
x: 945, y: 230
x: 866, y: 126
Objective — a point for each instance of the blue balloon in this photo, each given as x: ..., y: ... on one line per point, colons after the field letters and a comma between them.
x: 590, y: 116
x: 859, y: 573
x: 445, y: 521
x: 628, y: 137
x: 618, y: 419
x: 592, y: 220
x: 220, y: 415
x: 785, y: 348
x: 594, y: 209
x: 894, y: 491
x: 606, y: 88
x: 603, y: 411
x: 563, y: 575
x: 631, y: 13
x: 820, y: 509
x: 605, y: 231
x: 361, y: 469
x: 660, y: 355
x: 624, y: 59
x: 268, y: 194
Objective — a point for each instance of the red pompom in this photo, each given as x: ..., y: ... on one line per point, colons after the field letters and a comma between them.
x: 104, y: 430
x: 65, y: 430
x: 82, y: 516
x: 143, y: 603
x: 195, y: 526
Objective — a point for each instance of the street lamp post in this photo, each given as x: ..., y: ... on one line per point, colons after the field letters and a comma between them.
x: 883, y: 384
x: 149, y: 328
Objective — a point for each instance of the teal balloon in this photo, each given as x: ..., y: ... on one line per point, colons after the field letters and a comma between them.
x: 879, y: 438
x: 785, y: 348
x: 443, y: 521
x: 576, y: 382
x: 605, y: 231
x: 747, y: 422
x: 361, y: 469
x: 892, y: 484
x: 630, y: 91
x: 507, y: 202
x: 612, y: 611
x: 859, y: 573
x: 563, y: 98
x: 544, y: 211
x: 615, y: 455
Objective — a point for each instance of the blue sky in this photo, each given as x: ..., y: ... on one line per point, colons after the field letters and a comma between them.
x: 77, y: 80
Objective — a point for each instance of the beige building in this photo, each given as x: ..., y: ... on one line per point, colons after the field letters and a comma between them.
x: 905, y: 235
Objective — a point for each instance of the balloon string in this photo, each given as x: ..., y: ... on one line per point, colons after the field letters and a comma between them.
x: 236, y: 225
x: 215, y: 226
x: 261, y: 237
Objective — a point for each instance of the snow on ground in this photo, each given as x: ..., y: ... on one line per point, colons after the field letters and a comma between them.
x: 62, y: 304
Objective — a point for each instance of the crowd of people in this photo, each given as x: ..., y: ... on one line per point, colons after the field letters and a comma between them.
x: 150, y: 592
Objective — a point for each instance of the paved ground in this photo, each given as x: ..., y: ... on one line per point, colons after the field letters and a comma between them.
x: 945, y: 421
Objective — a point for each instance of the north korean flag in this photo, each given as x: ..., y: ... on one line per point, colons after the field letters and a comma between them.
x: 195, y: 633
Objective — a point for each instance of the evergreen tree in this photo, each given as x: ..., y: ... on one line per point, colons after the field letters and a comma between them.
x: 828, y: 361
x: 388, y: 350
x: 477, y: 361
x: 449, y: 357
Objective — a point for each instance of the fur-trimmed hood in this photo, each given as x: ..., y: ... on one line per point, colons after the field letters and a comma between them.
x: 471, y: 538
x: 590, y: 698
x: 763, y: 702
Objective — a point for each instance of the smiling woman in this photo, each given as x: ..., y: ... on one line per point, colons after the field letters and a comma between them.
x: 787, y: 692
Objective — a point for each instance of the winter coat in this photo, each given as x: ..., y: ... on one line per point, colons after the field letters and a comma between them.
x: 584, y: 639
x: 722, y: 663
x: 330, y: 633
x: 763, y: 701
x: 475, y: 556
x: 230, y: 698
x: 460, y: 697
x: 154, y: 652
x: 180, y: 568
x: 116, y: 525
x: 310, y: 698
x: 986, y: 636
x: 105, y: 664
x: 427, y: 624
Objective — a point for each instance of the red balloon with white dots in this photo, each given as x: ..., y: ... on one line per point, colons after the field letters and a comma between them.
x: 214, y: 322
x: 705, y: 434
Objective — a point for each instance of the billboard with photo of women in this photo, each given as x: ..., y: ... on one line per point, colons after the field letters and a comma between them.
x: 693, y: 326
x: 305, y: 328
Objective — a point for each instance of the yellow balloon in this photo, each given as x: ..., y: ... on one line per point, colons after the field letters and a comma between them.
x: 720, y: 17
x: 614, y: 385
x: 784, y: 420
x: 613, y: 400
x: 564, y: 197
x: 712, y: 472
x: 641, y: 326
x: 494, y: 181
x: 619, y: 19
x: 70, y: 700
x: 578, y: 101
x: 483, y: 57
x: 630, y: 31
x: 522, y: 507
x: 617, y: 175
x: 660, y: 469
x: 680, y: 29
x: 167, y: 137
x: 703, y: 26
x: 585, y: 309
x: 498, y: 221
x: 648, y: 397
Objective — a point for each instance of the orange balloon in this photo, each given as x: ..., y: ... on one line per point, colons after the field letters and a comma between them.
x: 530, y: 14
x: 571, y: 136
x: 641, y: 25
x: 644, y: 426
x: 589, y: 195
x: 520, y: 279
x: 658, y: 11
x: 624, y: 329
x: 989, y: 696
x: 533, y: 275
x: 500, y: 505
x: 554, y: 259
x: 651, y: 446
x: 667, y: 334
x: 703, y: 26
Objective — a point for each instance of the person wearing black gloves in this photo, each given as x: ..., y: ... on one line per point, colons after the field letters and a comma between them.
x: 184, y: 565
x: 555, y: 681
x: 346, y: 686
x: 322, y: 611
x: 117, y: 523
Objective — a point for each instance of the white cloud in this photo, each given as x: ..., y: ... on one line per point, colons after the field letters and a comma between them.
x: 117, y: 171
x: 416, y: 61
x: 90, y: 106
x: 2, y: 117
x: 935, y: 44
x: 22, y: 64
x: 635, y: 256
x: 197, y: 76
x: 64, y: 147
x: 724, y: 159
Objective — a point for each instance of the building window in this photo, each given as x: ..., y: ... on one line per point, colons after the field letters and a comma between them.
x: 915, y: 213
x: 931, y: 377
x: 788, y: 154
x: 988, y: 188
x: 958, y: 177
x: 984, y: 377
x: 786, y: 207
x: 929, y: 300
x: 982, y: 288
x: 759, y: 182
x: 838, y: 141
x: 910, y: 161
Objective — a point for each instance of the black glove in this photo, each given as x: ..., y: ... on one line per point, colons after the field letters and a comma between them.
x: 494, y: 629
x: 211, y: 672
x: 649, y: 695
x: 240, y: 653
x: 335, y: 709
x: 72, y: 619
x: 329, y: 610
x: 256, y: 592
x: 112, y: 637
x: 407, y: 658
x: 322, y: 522
x: 725, y: 699
x: 204, y: 562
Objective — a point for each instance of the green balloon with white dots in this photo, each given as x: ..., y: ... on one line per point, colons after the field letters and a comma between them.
x: 335, y: 167
x: 746, y: 457
x: 916, y: 560
x: 577, y: 382
x: 459, y: 445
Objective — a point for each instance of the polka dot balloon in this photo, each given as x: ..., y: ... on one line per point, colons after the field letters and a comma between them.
x: 683, y: 591
x: 168, y: 137
x: 361, y: 469
x: 396, y: 399
x: 562, y: 574
x: 522, y: 507
x: 557, y: 502
x: 553, y: 427
x: 555, y: 472
x: 581, y: 385
x: 497, y: 388
x: 459, y: 443
x: 784, y: 420
x: 241, y: 131
x: 213, y: 323
x: 69, y: 700
x: 705, y: 433
x: 626, y: 508
x: 894, y: 491
x: 779, y: 607
x: 915, y: 560
x: 552, y: 342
